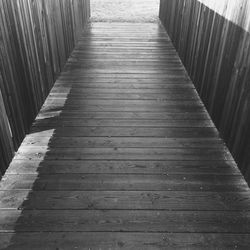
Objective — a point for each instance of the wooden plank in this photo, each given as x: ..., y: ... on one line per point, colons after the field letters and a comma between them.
x: 192, y: 154
x: 119, y: 240
x: 123, y: 115
x: 123, y: 182
x: 124, y: 221
x: 123, y: 142
x: 123, y: 45
x: 121, y: 56
x: 124, y: 200
x: 122, y: 123
x: 125, y: 96
x: 148, y: 35
x: 126, y: 62
x: 180, y: 107
x: 168, y: 92
x: 126, y: 103
x: 126, y: 39
x: 126, y: 132
x: 123, y: 167
x: 184, y: 87
x: 145, y: 76
x: 124, y: 79
x: 122, y: 70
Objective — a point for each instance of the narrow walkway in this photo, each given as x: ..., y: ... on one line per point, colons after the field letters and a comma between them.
x: 123, y: 155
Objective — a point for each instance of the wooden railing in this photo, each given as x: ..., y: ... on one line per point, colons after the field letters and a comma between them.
x: 36, y: 38
x: 213, y: 41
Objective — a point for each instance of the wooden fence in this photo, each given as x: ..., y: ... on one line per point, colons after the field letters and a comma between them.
x: 36, y: 38
x: 213, y: 41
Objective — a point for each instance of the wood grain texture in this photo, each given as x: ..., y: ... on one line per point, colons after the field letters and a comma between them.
x: 37, y: 37
x: 127, y: 241
x: 122, y: 167
x: 123, y: 155
x: 120, y: 200
x: 213, y: 41
x: 124, y: 221
x: 6, y: 143
x: 121, y: 182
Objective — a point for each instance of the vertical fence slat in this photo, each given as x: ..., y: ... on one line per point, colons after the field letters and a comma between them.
x: 6, y: 144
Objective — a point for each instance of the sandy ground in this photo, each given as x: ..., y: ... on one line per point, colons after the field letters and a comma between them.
x: 124, y: 10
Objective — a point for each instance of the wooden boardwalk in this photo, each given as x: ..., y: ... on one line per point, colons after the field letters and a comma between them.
x: 123, y: 155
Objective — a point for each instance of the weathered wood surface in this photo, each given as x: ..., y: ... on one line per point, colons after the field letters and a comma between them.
x: 6, y: 143
x: 123, y: 155
x: 36, y: 38
x: 128, y: 241
x: 213, y: 41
